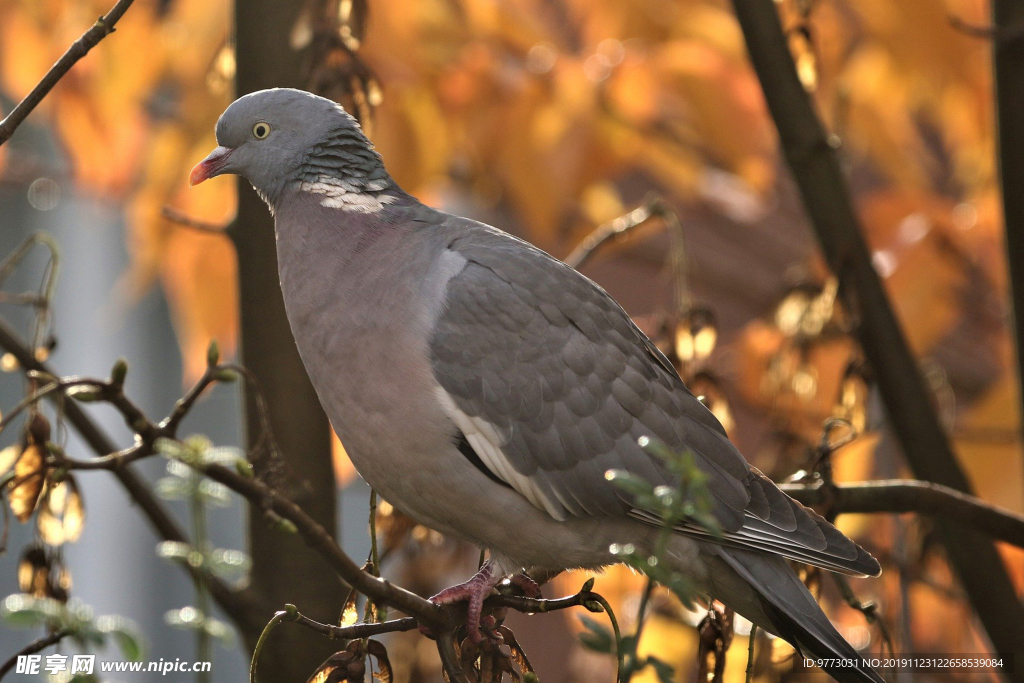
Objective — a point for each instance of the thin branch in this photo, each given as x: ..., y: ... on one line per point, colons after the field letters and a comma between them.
x: 34, y: 647
x: 751, y: 640
x: 618, y: 227
x: 240, y: 606
x: 103, y: 27
x: 922, y: 497
x: 450, y: 659
x: 380, y: 590
x: 350, y: 632
x: 186, y: 221
x: 811, y: 155
x: 542, y: 606
x: 999, y: 34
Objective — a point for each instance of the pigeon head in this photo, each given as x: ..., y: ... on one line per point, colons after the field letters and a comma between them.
x: 282, y: 138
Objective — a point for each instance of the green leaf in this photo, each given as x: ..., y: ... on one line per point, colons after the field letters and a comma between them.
x: 173, y: 550
x: 665, y: 672
x: 173, y: 488
x: 226, y: 375
x: 629, y: 482
x: 229, y: 564
x: 213, y: 353
x: 169, y: 448
x: 23, y: 611
x: 85, y: 394
x: 223, y: 455
x: 125, y: 633
x: 220, y: 632
x: 186, y: 618
x: 215, y: 493
x: 119, y: 371
x: 596, y: 637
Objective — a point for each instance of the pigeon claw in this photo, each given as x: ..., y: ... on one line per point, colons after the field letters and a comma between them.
x: 523, y: 582
x: 473, y: 592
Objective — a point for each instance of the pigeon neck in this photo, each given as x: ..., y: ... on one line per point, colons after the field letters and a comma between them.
x: 347, y: 173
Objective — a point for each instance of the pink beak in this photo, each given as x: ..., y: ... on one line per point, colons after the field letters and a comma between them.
x: 211, y: 166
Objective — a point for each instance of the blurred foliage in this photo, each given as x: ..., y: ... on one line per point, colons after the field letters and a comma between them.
x: 184, y: 483
x: 75, y: 619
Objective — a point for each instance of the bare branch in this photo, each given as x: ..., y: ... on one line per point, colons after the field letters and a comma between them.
x: 922, y: 497
x: 348, y: 632
x: 450, y: 658
x: 103, y: 27
x: 34, y: 647
x: 240, y: 606
x: 187, y: 221
x: 1000, y: 34
x: 652, y: 208
x: 380, y: 590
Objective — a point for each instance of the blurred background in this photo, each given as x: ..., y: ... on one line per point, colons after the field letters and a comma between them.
x: 546, y: 118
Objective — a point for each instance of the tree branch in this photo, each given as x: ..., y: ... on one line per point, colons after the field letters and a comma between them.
x: 186, y: 221
x: 32, y: 648
x: 922, y: 497
x: 263, y: 497
x: 103, y: 27
x: 240, y: 606
x: 356, y: 630
x: 652, y: 208
x: 811, y: 156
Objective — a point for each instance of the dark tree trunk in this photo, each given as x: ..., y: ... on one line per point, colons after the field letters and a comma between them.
x: 284, y: 570
x: 826, y: 197
x: 1008, y: 59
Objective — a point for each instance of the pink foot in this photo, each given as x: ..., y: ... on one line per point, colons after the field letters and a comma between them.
x: 474, y: 591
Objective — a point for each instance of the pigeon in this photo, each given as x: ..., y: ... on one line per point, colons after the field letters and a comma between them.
x: 485, y: 388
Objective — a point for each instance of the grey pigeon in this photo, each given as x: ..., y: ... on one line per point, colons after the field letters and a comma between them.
x: 484, y: 388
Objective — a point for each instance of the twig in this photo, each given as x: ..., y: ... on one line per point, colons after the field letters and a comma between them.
x: 922, y: 497
x: 652, y: 208
x: 543, y: 606
x: 752, y: 638
x: 186, y: 221
x: 868, y: 609
x: 264, y: 497
x: 816, y: 168
x: 103, y: 27
x: 1000, y: 34
x: 34, y: 647
x: 450, y: 659
x: 258, y: 648
x: 351, y: 632
x: 241, y: 606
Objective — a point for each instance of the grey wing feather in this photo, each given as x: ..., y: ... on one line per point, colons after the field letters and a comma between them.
x: 544, y: 361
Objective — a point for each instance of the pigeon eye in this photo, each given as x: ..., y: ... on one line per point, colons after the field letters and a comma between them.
x: 261, y: 130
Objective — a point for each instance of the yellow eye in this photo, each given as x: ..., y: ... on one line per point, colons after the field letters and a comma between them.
x: 261, y: 130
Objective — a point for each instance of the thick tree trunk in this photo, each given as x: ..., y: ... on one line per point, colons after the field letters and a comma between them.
x: 1008, y: 60
x: 284, y: 570
x: 816, y: 169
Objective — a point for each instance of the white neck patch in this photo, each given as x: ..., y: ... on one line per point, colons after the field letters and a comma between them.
x: 367, y: 197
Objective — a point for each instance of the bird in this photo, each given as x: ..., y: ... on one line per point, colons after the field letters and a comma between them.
x: 485, y: 388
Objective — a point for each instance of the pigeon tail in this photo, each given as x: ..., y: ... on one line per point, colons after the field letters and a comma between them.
x: 766, y: 590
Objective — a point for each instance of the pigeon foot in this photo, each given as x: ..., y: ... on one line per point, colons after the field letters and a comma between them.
x: 474, y: 591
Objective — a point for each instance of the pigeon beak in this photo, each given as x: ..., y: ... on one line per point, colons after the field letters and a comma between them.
x: 210, y: 167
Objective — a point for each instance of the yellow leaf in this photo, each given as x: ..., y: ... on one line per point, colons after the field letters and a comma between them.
x: 62, y: 516
x: 23, y: 491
